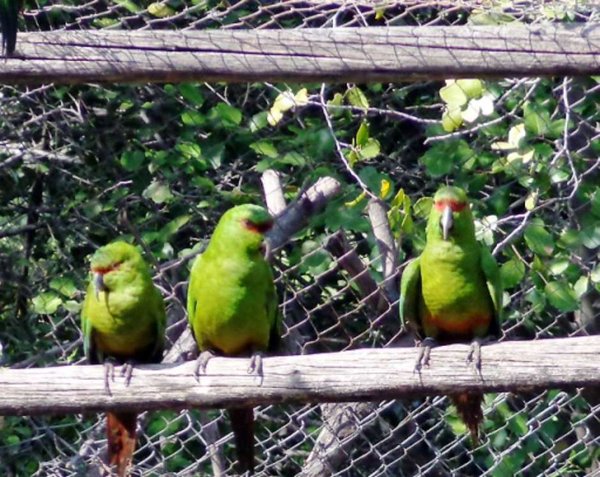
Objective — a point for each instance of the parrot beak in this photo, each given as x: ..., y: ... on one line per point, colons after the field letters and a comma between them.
x: 266, y: 249
x: 99, y: 284
x: 446, y: 222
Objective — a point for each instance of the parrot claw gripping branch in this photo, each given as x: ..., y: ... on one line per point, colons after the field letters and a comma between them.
x: 232, y: 305
x: 123, y: 321
x: 452, y: 292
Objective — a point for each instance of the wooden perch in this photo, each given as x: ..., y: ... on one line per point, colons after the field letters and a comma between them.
x: 328, y: 54
x: 366, y: 374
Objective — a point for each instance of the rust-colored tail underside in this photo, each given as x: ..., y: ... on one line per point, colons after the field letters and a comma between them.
x: 120, y: 431
x: 242, y: 423
x: 468, y: 406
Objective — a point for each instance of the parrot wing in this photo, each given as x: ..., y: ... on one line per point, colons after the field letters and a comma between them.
x: 410, y: 288
x: 494, y: 286
x: 192, y: 301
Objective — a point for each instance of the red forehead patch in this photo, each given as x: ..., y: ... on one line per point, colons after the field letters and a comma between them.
x: 455, y: 205
x: 258, y: 228
x: 104, y: 270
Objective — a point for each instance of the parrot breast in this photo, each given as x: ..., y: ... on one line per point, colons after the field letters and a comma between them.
x: 455, y: 302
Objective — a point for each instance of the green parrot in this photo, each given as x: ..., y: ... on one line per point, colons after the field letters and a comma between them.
x: 232, y: 305
x: 9, y: 13
x: 452, y: 292
x: 123, y: 320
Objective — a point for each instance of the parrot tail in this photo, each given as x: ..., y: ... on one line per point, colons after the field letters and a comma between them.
x: 242, y: 423
x: 120, y: 431
x: 468, y: 406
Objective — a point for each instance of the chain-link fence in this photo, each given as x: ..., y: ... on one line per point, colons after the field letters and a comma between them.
x: 157, y: 164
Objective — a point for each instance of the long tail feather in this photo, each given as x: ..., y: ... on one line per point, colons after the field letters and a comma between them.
x: 9, y: 14
x: 242, y: 422
x: 468, y: 406
x: 120, y: 430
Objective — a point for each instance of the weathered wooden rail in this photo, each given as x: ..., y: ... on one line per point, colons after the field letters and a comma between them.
x: 365, y: 374
x: 329, y: 55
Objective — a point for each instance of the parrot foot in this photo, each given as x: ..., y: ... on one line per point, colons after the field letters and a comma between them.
x: 474, y: 355
x: 256, y: 364
x: 109, y: 375
x: 201, y: 363
x: 424, y: 354
x: 127, y: 372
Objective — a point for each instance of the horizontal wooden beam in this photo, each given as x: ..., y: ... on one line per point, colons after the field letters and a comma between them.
x: 301, y: 55
x: 365, y: 374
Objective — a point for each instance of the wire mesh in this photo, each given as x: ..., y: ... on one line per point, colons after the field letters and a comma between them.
x: 157, y: 164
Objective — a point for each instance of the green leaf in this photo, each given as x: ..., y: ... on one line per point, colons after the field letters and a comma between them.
x: 46, y: 303
x: 192, y: 93
x: 538, y: 239
x: 193, y: 118
x: 442, y: 157
x: 160, y: 10
x: 422, y: 207
x: 536, y: 119
x: 452, y: 119
x: 595, y: 274
x: 173, y: 226
x: 590, y: 236
x: 265, y: 148
x: 258, y: 121
x: 453, y: 95
x: 64, y: 285
x: 132, y: 160
x: 357, y: 98
x: 512, y: 273
x: 229, y: 115
x: 158, y: 192
x: 370, y: 150
x: 362, y: 135
x: 561, y: 296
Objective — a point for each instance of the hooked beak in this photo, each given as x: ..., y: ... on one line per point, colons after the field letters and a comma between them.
x: 266, y: 249
x: 99, y: 284
x: 446, y: 222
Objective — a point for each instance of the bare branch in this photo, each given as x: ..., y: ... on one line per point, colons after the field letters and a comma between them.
x: 295, y: 217
x: 273, y: 192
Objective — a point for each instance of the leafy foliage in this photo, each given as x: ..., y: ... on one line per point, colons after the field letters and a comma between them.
x: 158, y: 164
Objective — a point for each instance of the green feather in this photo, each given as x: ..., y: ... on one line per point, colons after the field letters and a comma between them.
x: 454, y: 280
x: 232, y: 303
x: 127, y: 320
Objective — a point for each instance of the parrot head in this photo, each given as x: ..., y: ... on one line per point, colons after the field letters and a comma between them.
x: 114, y: 264
x: 450, y: 217
x: 246, y: 225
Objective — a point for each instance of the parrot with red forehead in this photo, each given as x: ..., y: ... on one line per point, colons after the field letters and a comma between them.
x: 452, y: 292
x: 123, y: 321
x: 232, y: 305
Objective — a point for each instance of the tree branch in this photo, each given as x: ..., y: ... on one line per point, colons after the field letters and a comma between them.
x: 295, y: 217
x: 359, y: 375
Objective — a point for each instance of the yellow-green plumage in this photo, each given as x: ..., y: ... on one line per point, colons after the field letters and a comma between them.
x: 127, y: 320
x: 232, y: 303
x: 123, y: 319
x: 452, y: 291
